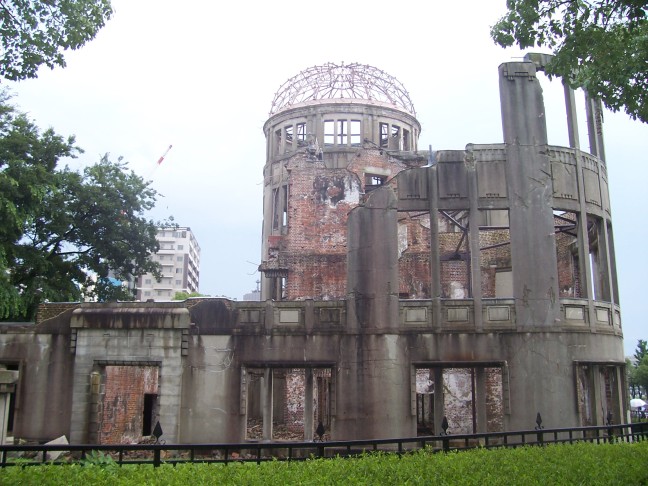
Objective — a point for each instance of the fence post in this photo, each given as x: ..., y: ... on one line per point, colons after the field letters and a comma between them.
x: 539, y: 427
x: 156, y: 457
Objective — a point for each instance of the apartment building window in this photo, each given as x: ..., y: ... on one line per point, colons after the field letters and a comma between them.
x: 147, y: 281
x: 180, y: 247
x: 180, y: 258
x: 178, y: 270
x: 178, y: 282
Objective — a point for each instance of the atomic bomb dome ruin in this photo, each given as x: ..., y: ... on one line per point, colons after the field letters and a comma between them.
x: 400, y: 287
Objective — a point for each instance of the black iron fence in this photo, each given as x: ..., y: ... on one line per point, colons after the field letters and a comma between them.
x: 156, y: 454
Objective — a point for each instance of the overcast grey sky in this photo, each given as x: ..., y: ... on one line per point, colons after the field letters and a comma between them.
x: 201, y: 77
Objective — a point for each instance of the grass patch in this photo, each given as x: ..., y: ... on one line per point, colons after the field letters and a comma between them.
x: 578, y: 464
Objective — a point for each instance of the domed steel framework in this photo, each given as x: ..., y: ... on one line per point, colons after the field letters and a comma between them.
x: 344, y: 81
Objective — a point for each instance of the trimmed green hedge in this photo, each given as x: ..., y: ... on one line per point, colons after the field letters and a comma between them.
x: 582, y: 464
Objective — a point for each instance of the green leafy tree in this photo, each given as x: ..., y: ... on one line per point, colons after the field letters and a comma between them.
x: 638, y: 372
x: 641, y: 374
x: 107, y: 290
x: 599, y: 45
x: 37, y: 32
x: 187, y: 295
x: 59, y: 225
x: 641, y: 351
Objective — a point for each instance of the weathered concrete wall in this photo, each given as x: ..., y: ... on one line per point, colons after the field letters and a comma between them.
x: 211, y: 408
x: 140, y: 335
x: 43, y: 400
x: 202, y: 392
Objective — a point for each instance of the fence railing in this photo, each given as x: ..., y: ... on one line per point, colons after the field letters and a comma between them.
x: 156, y: 454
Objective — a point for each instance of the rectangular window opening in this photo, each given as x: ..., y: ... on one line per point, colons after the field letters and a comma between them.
x: 568, y: 257
x: 288, y: 134
x: 384, y: 135
x: 301, y: 134
x: 372, y: 181
x: 454, y: 252
x: 355, y: 133
x: 290, y: 388
x: 329, y: 133
x: 471, y: 399
x: 495, y: 254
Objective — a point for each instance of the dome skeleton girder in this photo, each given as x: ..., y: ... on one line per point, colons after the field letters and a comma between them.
x: 351, y: 81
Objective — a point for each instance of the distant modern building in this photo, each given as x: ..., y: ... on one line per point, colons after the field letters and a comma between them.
x: 179, y: 256
x: 254, y: 295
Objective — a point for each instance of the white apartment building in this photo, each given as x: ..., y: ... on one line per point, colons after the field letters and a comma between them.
x: 179, y: 257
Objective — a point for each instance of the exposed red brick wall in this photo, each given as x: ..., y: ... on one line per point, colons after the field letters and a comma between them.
x: 123, y: 402
x: 494, y: 400
x: 315, y: 244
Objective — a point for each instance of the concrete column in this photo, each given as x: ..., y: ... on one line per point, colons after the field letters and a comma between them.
x: 373, y: 372
x: 266, y: 404
x: 439, y: 408
x: 533, y: 252
x: 594, y: 115
x: 597, y: 398
x: 473, y: 242
x: 572, y: 118
x: 308, y: 405
x: 530, y: 189
x: 435, y: 271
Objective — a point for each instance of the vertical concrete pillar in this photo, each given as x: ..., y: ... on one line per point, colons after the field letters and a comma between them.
x: 594, y: 114
x: 598, y: 414
x: 473, y: 241
x: 439, y: 408
x: 308, y: 405
x: 530, y: 189
x: 435, y: 270
x: 572, y: 119
x: 266, y: 404
x: 533, y: 252
x: 373, y: 377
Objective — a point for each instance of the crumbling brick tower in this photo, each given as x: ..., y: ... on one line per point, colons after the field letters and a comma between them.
x: 335, y: 133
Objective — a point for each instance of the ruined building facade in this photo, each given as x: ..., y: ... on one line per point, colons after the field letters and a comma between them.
x: 399, y: 287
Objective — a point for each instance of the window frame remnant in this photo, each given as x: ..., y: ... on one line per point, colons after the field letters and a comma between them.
x: 373, y: 181
x: 496, y: 220
x: 329, y: 133
x: 449, y: 222
x: 383, y: 133
x: 355, y: 133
